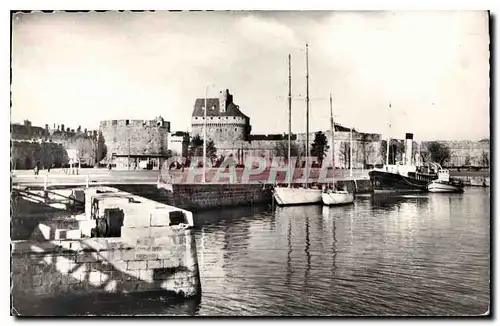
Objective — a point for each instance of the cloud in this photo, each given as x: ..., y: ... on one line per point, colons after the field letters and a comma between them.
x: 266, y: 32
x: 117, y: 65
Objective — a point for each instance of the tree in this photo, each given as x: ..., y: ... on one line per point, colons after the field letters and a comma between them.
x: 99, y: 149
x: 281, y: 149
x: 467, y: 160
x: 485, y: 158
x: 438, y: 152
x: 196, y: 148
x: 211, y: 150
x: 319, y: 146
x: 396, y: 150
x: 84, y: 149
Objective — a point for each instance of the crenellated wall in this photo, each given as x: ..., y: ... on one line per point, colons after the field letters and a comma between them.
x: 220, y: 128
x: 135, y: 137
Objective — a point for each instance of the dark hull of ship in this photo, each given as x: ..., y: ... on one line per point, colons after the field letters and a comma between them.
x: 387, y: 183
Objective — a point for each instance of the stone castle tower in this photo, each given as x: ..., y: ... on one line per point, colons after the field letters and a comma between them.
x: 224, y: 119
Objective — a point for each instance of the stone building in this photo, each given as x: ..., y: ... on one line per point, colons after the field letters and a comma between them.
x: 224, y: 119
x: 230, y: 130
x: 49, y: 146
x: 466, y: 153
x: 178, y: 143
x: 132, y: 143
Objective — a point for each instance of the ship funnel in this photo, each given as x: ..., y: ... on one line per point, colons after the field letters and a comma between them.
x: 408, y: 149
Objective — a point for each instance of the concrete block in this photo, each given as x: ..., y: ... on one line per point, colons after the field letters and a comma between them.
x: 148, y: 241
x: 113, y: 244
x: 132, y: 234
x: 157, y: 263
x: 170, y: 262
x: 83, y: 257
x: 146, y: 275
x: 160, y: 217
x: 132, y: 265
x: 96, y: 244
x: 127, y: 254
x: 146, y: 255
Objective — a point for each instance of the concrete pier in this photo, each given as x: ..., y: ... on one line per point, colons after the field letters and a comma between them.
x: 155, y: 251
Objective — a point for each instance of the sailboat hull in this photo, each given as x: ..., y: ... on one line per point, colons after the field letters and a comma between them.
x: 285, y: 196
x: 337, y: 198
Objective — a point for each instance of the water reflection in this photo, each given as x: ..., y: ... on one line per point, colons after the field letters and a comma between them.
x: 308, y: 254
x: 289, y: 254
x: 416, y: 255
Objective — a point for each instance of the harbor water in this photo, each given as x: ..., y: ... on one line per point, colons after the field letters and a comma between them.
x: 409, y: 255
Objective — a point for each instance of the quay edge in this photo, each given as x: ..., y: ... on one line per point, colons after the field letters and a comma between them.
x: 154, y: 253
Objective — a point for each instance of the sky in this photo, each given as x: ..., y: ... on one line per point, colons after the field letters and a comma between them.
x: 431, y: 67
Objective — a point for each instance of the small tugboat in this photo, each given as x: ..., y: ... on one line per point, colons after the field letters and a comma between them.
x: 443, y: 183
x: 478, y: 182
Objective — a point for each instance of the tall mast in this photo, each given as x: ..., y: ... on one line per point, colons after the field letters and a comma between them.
x: 332, y: 131
x: 388, y: 141
x: 307, y: 115
x: 289, y: 117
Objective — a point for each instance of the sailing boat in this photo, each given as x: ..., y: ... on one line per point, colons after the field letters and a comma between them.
x: 297, y: 195
x: 332, y: 195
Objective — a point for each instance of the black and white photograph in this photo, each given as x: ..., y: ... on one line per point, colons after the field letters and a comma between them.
x: 248, y: 163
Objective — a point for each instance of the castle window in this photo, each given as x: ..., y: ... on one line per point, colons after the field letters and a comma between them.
x: 235, y: 129
x: 126, y: 122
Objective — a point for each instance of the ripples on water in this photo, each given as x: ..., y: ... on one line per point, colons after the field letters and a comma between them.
x: 408, y: 255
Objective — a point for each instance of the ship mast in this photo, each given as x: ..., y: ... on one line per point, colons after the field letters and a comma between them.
x: 332, y: 131
x: 289, y: 119
x: 307, y: 116
x: 388, y: 142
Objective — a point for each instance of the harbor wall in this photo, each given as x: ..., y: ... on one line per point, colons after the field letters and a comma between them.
x: 196, y: 197
x: 161, y: 260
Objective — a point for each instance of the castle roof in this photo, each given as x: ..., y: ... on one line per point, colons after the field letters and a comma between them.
x: 232, y: 110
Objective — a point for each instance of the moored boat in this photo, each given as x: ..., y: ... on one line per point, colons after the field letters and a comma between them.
x: 331, y: 195
x: 444, y: 184
x: 402, y: 178
x: 478, y: 182
x: 285, y: 196
x: 303, y: 194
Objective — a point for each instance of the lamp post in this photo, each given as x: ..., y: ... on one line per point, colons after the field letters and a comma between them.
x: 205, y: 134
x: 350, y: 155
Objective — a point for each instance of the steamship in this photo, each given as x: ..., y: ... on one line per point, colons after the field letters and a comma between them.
x: 402, y: 178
